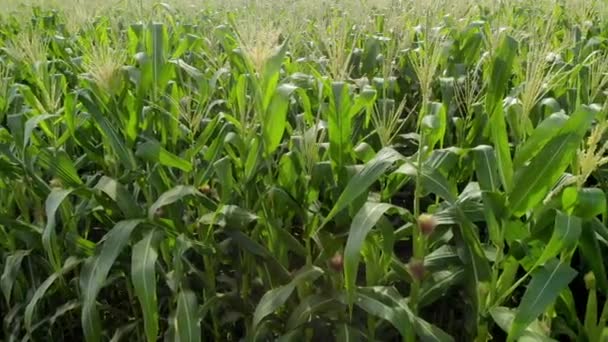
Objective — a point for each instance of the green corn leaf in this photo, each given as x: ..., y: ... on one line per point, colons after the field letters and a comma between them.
x: 374, y: 306
x: 275, y: 298
x: 536, y: 179
x: 347, y: 333
x: 31, y: 124
x: 309, y: 306
x: 434, y: 124
x: 223, y: 169
x: 271, y: 74
x: 500, y: 72
x: 187, y: 321
x: 95, y: 271
x: 363, y: 222
x: 143, y: 276
x: 49, y: 235
x: 474, y: 257
x: 275, y: 119
x: 504, y: 318
x: 586, y: 203
x: 275, y: 268
x: 364, y: 179
x: 565, y: 235
x: 152, y: 151
x: 432, y: 181
x: 441, y: 282
x: 389, y: 305
x: 172, y: 196
x: 592, y: 254
x: 12, y: 266
x: 157, y: 41
x: 486, y: 168
x: 339, y: 125
x: 59, y: 164
x: 28, y: 315
x: 540, y: 136
x: 546, y: 284
x: 107, y: 129
x: 119, y: 194
x: 123, y: 331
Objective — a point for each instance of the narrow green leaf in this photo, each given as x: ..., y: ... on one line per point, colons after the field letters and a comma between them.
x: 308, y: 307
x: 339, y: 125
x: 540, y: 136
x: 546, y: 285
x: 33, y: 123
x: 12, y: 266
x: 486, y: 168
x: 432, y: 181
x: 119, y: 194
x: 171, y: 196
x: 565, y: 235
x: 49, y: 236
x: 403, y: 316
x: 374, y: 306
x: 152, y: 151
x: 504, y: 318
x: 107, y: 129
x: 364, y: 179
x: 536, y: 179
x: 95, y: 271
x: 187, y: 321
x: 500, y: 72
x: 143, y: 276
x: 123, y: 331
x: 58, y: 163
x: 28, y: 315
x: 275, y: 119
x: 363, y: 222
x: 276, y: 297
x: 441, y: 282
x: 592, y: 254
x: 347, y: 333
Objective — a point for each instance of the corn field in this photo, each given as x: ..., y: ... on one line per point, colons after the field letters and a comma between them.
x: 348, y: 170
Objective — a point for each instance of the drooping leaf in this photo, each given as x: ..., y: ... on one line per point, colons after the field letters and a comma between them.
x: 28, y: 316
x: 276, y: 297
x: 389, y: 305
x: 308, y: 307
x: 364, y: 179
x: 152, y: 151
x: 540, y: 136
x: 119, y: 194
x: 95, y: 271
x: 535, y: 179
x: 12, y: 266
x: 171, y: 196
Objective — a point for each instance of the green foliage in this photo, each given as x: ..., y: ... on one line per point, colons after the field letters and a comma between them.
x: 303, y: 170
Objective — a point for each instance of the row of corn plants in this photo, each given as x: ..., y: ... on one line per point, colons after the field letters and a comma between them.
x: 299, y: 171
